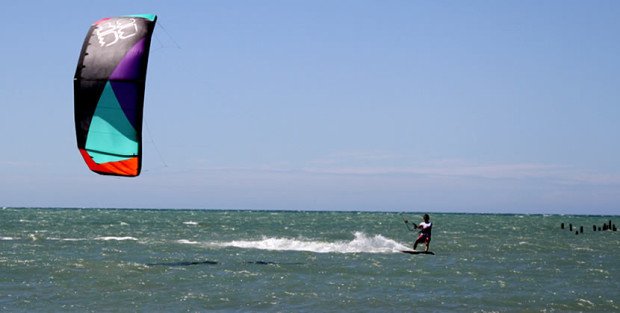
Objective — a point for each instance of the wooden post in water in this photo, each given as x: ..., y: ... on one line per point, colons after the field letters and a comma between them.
x: 562, y: 226
x: 581, y: 229
x: 593, y: 227
x: 570, y: 227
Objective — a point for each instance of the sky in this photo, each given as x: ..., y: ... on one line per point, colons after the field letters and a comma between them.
x: 426, y: 106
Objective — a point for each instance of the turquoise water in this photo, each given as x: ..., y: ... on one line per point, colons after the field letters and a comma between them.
x: 94, y: 260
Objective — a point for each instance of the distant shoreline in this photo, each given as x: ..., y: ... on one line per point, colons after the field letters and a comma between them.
x: 310, y: 211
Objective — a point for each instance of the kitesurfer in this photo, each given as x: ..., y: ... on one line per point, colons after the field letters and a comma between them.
x: 425, y: 232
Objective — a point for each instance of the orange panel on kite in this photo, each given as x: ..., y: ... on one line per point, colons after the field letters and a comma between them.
x: 129, y: 167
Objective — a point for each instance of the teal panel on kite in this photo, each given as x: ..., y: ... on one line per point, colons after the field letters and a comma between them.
x: 110, y: 131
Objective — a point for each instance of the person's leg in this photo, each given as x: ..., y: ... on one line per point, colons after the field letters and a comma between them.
x: 417, y: 241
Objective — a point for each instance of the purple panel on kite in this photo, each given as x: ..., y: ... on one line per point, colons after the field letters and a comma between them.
x: 130, y: 67
x: 126, y: 94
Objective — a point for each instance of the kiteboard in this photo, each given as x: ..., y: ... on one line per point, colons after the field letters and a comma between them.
x: 417, y: 252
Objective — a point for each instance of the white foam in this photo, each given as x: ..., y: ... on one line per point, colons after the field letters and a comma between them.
x: 115, y: 238
x: 185, y: 241
x: 7, y: 238
x: 584, y: 302
x: 72, y: 239
x: 361, y: 243
x: 190, y: 223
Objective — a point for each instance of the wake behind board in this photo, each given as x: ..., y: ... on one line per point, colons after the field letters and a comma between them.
x: 417, y: 252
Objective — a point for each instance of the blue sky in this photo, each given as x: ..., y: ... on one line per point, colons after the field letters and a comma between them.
x: 439, y: 106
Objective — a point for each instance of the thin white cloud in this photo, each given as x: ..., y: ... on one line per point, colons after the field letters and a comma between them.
x: 494, y: 171
x: 510, y: 171
x: 339, y: 165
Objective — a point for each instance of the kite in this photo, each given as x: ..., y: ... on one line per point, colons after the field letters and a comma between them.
x: 108, y: 90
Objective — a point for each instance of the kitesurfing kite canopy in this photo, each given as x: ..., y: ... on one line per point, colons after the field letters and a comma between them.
x: 109, y: 93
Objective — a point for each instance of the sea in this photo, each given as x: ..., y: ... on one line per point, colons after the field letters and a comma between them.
x: 137, y: 260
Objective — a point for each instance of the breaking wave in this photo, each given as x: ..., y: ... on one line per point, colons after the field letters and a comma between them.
x: 107, y: 238
x: 361, y: 243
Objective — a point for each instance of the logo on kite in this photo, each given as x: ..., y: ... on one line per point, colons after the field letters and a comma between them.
x: 110, y: 33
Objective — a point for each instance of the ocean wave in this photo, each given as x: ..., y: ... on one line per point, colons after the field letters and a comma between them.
x: 107, y: 238
x: 66, y: 239
x: 7, y: 238
x: 190, y: 223
x: 362, y: 243
x: 185, y: 241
